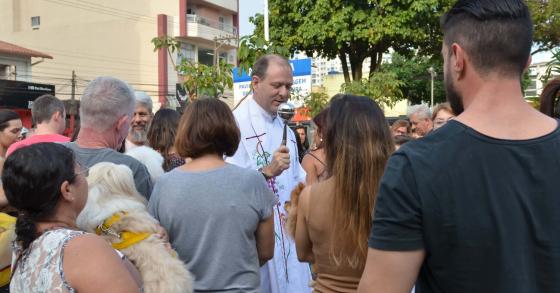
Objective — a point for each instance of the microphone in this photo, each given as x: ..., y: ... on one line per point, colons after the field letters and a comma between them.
x: 286, y: 111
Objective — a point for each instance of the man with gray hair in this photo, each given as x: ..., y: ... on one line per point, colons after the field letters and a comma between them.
x: 140, y: 123
x: 49, y: 118
x: 421, y: 119
x: 106, y: 109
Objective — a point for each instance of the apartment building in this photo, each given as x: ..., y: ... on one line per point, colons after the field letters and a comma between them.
x: 106, y: 37
x: 536, y: 72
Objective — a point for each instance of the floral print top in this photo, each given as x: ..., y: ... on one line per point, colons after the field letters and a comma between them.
x: 40, y: 266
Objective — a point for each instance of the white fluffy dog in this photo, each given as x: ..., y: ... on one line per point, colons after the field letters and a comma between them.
x: 117, y: 212
x: 150, y: 158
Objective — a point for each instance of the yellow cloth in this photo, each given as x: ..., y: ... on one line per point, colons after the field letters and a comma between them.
x: 127, y: 238
x: 7, y: 235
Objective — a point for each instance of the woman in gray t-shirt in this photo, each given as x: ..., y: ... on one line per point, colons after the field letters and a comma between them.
x: 218, y: 216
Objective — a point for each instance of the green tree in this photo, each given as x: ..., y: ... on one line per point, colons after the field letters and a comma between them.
x: 198, y: 79
x: 354, y: 30
x: 316, y: 102
x: 553, y: 67
x: 546, y: 19
x: 382, y: 87
x: 254, y: 46
x: 415, y: 78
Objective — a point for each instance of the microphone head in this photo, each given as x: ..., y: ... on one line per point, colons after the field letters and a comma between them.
x: 286, y: 111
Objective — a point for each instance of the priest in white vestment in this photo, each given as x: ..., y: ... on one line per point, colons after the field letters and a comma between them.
x: 261, y: 149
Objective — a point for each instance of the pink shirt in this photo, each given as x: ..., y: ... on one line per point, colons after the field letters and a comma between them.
x: 37, y: 138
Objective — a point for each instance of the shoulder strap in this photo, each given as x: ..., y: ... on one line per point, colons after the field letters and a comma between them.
x: 316, y: 158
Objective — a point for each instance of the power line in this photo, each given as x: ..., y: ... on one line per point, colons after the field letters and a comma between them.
x: 78, y: 66
x: 100, y: 58
x: 102, y: 9
x: 99, y: 10
x: 96, y: 72
x: 116, y: 9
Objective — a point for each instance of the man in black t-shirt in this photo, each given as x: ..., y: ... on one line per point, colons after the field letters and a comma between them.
x: 475, y: 205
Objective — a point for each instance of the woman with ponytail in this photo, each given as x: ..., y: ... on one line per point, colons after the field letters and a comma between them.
x: 47, y: 187
x: 334, y: 216
x: 549, y: 98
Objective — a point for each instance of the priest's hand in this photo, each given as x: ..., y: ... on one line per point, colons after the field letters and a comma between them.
x: 280, y: 162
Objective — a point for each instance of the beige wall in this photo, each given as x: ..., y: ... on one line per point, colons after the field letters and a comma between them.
x: 104, y: 37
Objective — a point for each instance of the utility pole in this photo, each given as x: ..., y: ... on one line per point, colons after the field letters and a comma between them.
x: 73, y: 97
x: 266, y: 33
x: 73, y: 109
x: 432, y: 72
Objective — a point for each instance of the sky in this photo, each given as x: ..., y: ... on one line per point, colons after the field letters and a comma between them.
x: 248, y: 8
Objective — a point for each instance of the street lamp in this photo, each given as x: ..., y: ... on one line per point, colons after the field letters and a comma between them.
x: 433, y: 74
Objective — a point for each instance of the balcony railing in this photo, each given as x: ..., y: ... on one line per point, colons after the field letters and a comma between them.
x: 193, y: 18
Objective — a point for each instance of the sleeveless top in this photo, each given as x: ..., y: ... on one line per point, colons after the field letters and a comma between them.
x: 39, y: 268
x: 331, y: 276
x: 322, y: 167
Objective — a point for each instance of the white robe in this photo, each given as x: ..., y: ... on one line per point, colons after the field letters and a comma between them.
x: 261, y: 135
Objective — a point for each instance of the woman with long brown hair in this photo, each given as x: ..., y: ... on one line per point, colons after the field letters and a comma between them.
x: 161, y: 137
x: 334, y: 216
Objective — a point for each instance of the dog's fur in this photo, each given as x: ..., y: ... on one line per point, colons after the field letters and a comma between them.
x: 291, y: 208
x: 150, y: 158
x: 111, y: 190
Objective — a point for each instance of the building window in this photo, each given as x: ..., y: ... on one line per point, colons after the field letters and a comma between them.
x: 187, y: 52
x: 531, y: 90
x: 221, y: 22
x: 205, y: 56
x: 35, y: 22
x: 223, y: 57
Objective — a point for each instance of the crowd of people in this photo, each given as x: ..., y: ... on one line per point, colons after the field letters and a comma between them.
x: 461, y: 197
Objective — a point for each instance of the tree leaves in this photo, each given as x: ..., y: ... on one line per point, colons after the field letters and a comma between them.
x: 316, y: 102
x: 546, y: 19
x: 382, y: 87
x: 198, y: 79
x: 416, y: 80
x: 356, y: 29
x: 552, y: 67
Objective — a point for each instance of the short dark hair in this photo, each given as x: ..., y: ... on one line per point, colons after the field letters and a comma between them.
x: 44, y: 107
x: 496, y: 34
x: 261, y: 65
x: 6, y: 116
x: 32, y: 180
x: 207, y: 127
